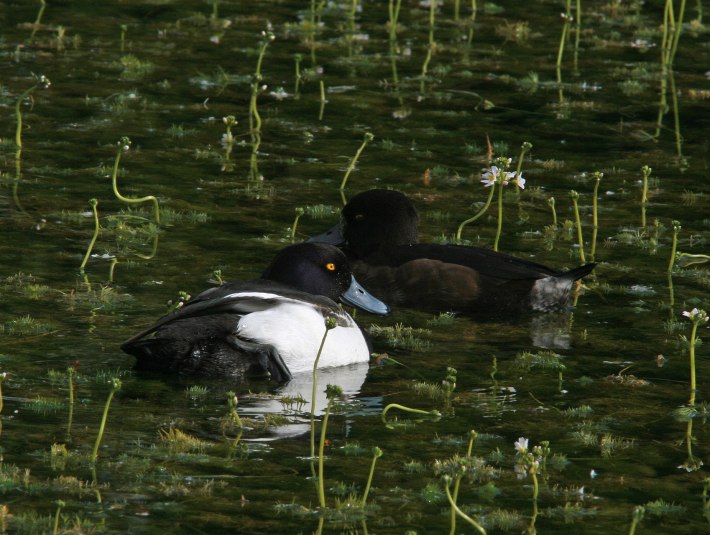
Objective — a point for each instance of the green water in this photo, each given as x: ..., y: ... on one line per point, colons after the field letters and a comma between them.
x: 608, y: 414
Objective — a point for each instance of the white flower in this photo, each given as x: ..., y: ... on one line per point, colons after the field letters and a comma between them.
x: 521, y: 446
x: 520, y: 181
x: 696, y: 315
x: 490, y: 176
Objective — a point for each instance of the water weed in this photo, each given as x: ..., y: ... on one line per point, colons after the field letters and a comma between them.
x: 353, y: 161
x: 124, y: 145
x: 42, y: 82
x: 115, y: 387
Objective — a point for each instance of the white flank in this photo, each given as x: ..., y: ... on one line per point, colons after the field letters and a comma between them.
x: 296, y: 329
x: 550, y: 293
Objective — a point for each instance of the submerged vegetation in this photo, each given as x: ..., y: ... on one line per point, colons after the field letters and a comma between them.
x: 592, y: 420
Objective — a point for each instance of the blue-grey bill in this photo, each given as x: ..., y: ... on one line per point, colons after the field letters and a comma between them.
x: 333, y: 236
x: 358, y: 297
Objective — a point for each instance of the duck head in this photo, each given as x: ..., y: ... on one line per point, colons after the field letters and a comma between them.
x: 374, y: 220
x: 322, y: 269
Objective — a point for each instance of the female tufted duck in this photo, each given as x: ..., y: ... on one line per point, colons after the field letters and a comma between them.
x: 378, y: 232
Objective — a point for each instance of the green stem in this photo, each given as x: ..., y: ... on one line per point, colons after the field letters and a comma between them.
x: 676, y: 33
x: 115, y: 386
x: 457, y: 483
x: 430, y: 47
x: 693, y: 333
x: 35, y: 26
x: 433, y: 413
x: 368, y: 137
x: 563, y: 39
x: 393, y: 16
x: 645, y: 172
x: 322, y: 100
x: 479, y: 214
x: 123, y: 145
x: 94, y: 203
x: 55, y: 528
x: 574, y: 196
x: 18, y: 114
x: 676, y: 117
x: 321, y: 446
x: 299, y: 212
x: 376, y: 454
x: 524, y: 148
x: 578, y: 31
x: 499, y: 228
x: 70, y: 381
x: 463, y: 515
x: 551, y: 203
x: 595, y: 215
x: 636, y: 518
x: 297, y: 88
x: 674, y: 245
x: 472, y: 21
x: 329, y: 324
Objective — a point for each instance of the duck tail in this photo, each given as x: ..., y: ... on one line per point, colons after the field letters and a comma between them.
x: 578, y: 273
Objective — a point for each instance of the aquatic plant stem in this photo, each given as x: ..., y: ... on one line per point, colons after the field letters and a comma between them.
x: 330, y: 323
x: 55, y: 528
x: 297, y: 84
x: 479, y: 214
x: 697, y: 319
x: 124, y: 145
x: 499, y: 227
x: 115, y: 387
x: 598, y: 175
x: 551, y: 204
x: 321, y: 446
x: 676, y: 118
x: 567, y: 18
x: 299, y: 212
x: 536, y: 491
x: 678, y: 27
x: 457, y: 483
x: 376, y: 454
x: 97, y: 228
x: 124, y: 29
x: 430, y: 47
x: 458, y: 511
x: 256, y: 86
x: 393, y: 10
x: 472, y: 21
x: 368, y: 137
x: 433, y: 413
x: 38, y: 20
x: 577, y: 33
x: 3, y: 376
x: 636, y: 517
x: 70, y: 381
x: 322, y: 100
x: 645, y: 172
x: 232, y: 403
x: 674, y: 245
x: 42, y: 82
x: 524, y: 149
x: 575, y: 196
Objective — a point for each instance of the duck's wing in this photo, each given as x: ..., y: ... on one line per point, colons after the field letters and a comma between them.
x: 207, y: 346
x: 235, y: 298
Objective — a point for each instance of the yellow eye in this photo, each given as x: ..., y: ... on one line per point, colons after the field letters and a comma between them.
x: 330, y: 266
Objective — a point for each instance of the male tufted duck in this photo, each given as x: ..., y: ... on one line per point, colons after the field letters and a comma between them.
x: 378, y: 232
x: 272, y: 325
